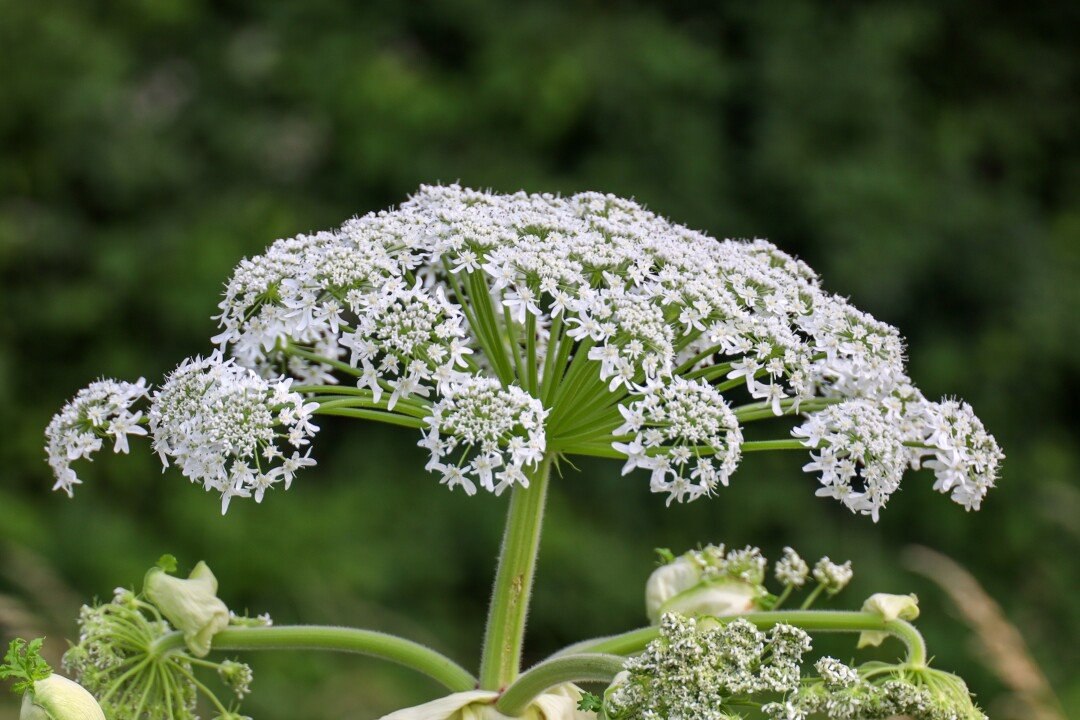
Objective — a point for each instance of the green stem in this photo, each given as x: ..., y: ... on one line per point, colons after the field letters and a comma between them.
x: 635, y: 641
x: 315, y: 637
x: 513, y: 582
x: 763, y: 410
x: 812, y: 597
x: 556, y: 671
x: 376, y: 415
x: 760, y: 445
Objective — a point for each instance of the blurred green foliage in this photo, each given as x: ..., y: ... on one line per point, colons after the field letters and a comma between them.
x: 922, y: 156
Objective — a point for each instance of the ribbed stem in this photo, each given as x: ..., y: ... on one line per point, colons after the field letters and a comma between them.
x: 342, y: 639
x: 556, y: 671
x: 505, y: 631
x: 812, y: 621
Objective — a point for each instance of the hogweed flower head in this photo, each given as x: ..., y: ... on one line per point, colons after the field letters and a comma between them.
x: 123, y: 659
x: 791, y: 570
x: 833, y: 577
x: 101, y: 411
x: 609, y: 331
x: 231, y: 429
x: 700, y: 669
x: 876, y: 691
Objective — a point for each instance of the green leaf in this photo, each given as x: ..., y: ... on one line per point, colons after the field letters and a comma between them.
x: 167, y: 563
x: 24, y: 663
x: 590, y: 702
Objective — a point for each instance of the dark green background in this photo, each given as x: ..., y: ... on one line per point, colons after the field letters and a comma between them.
x: 922, y: 156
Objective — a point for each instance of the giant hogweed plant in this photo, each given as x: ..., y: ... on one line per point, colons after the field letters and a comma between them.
x: 512, y: 333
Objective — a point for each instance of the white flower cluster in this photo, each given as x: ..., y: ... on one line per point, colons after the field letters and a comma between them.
x: 791, y: 569
x: 861, y: 456
x: 226, y: 427
x: 698, y: 669
x: 833, y: 576
x: 477, y: 419
x: 101, y: 410
x: 629, y: 330
x: 965, y: 456
x: 864, y: 447
x: 685, y: 433
x: 842, y: 693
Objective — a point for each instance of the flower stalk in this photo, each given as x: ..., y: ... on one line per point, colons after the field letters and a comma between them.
x: 591, y: 667
x: 505, y: 631
x: 342, y: 639
x: 812, y: 621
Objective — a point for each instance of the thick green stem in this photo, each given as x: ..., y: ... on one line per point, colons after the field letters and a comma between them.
x: 812, y: 621
x: 556, y: 671
x: 315, y: 637
x: 513, y: 582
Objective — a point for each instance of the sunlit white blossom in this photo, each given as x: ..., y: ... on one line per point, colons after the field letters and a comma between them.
x: 624, y: 334
x: 101, y: 411
x: 230, y: 429
x: 482, y: 432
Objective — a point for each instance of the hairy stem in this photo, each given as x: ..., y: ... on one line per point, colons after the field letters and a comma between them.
x: 342, y: 639
x: 505, y: 631
x: 811, y: 621
x: 593, y: 667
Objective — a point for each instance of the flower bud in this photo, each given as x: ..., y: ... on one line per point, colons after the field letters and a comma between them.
x: 191, y: 605
x: 57, y: 698
x: 558, y: 703
x: 889, y: 607
x: 690, y: 586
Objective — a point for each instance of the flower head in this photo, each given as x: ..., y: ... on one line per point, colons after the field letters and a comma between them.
x: 495, y: 432
x: 965, y: 456
x: 610, y: 330
x: 832, y: 576
x: 103, y: 410
x: 875, y: 691
x: 685, y: 434
x: 791, y: 569
x: 699, y: 669
x: 861, y: 456
x: 230, y: 429
x: 125, y: 657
